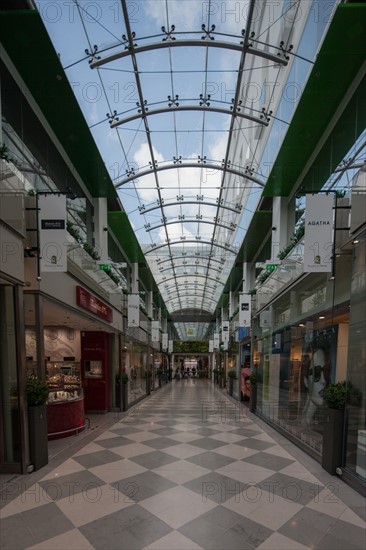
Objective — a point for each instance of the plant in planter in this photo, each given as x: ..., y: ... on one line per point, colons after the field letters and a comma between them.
x: 160, y: 372
x: 232, y: 376
x: 148, y: 376
x: 37, y: 394
x: 253, y: 377
x: 336, y: 397
x: 221, y: 378
x: 122, y: 390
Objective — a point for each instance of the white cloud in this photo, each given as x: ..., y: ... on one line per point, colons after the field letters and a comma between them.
x: 179, y: 12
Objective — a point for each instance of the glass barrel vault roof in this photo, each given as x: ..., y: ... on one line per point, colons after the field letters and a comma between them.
x: 188, y: 103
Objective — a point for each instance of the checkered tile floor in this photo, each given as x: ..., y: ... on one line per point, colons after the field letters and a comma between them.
x: 187, y: 468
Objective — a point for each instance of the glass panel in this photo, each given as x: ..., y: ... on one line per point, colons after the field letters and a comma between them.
x: 356, y: 375
x: 10, y: 426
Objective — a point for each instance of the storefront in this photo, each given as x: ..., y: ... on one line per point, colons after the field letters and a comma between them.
x: 75, y: 352
x: 311, y: 336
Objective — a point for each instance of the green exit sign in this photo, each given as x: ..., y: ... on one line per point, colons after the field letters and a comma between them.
x: 271, y: 267
x: 104, y: 267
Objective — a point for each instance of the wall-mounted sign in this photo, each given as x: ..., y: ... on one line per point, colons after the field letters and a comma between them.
x: 216, y: 340
x: 164, y: 341
x: 225, y: 334
x: 318, y: 241
x: 245, y: 310
x: 89, y: 302
x: 52, y: 233
x: 155, y: 335
x: 133, y: 310
x: 170, y: 346
x: 210, y: 346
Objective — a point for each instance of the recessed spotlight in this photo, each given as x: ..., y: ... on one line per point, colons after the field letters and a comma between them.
x: 322, y: 317
x: 356, y: 241
x: 301, y: 325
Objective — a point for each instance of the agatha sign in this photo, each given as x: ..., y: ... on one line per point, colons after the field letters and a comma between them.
x: 87, y: 301
x: 318, y: 241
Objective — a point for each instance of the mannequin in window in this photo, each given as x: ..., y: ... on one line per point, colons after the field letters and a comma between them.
x: 315, y: 384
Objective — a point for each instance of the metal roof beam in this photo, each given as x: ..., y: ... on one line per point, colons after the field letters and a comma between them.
x: 132, y: 175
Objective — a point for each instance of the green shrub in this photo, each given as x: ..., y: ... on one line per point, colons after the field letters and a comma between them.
x: 338, y: 395
x: 37, y: 391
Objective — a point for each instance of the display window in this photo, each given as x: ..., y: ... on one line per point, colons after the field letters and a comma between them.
x: 295, y: 365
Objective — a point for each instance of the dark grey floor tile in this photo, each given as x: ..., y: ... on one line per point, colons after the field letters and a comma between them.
x: 15, y: 533
x: 308, y: 527
x: 220, y: 528
x: 331, y: 542
x: 347, y: 533
x: 246, y: 432
x: 69, y: 485
x: 201, y: 531
x: 161, y: 442
x: 150, y: 530
x: 131, y: 528
x: 124, y: 430
x: 254, y: 444
x: 207, y: 443
x: 139, y: 487
x: 205, y: 431
x: 33, y: 526
x: 98, y: 458
x: 216, y: 487
x: 266, y: 460
x: 165, y: 431
x: 114, y: 442
x: 153, y: 460
x: 291, y: 488
x: 211, y: 460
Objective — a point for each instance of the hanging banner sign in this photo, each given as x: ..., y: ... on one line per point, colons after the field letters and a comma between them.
x: 133, y: 310
x: 318, y: 240
x: 170, y: 346
x: 245, y: 310
x: 210, y: 346
x: 52, y: 233
x: 225, y: 335
x: 155, y: 336
x: 164, y: 341
x: 216, y: 340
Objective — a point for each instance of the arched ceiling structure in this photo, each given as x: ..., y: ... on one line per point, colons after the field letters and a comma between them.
x: 188, y: 102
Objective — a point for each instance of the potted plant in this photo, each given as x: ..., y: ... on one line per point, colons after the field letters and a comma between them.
x: 148, y: 375
x: 122, y: 389
x: 221, y: 377
x: 160, y: 372
x: 232, y: 377
x: 37, y: 394
x: 253, y: 377
x: 336, y: 397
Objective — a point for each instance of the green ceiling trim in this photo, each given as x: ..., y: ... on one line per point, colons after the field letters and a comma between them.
x: 26, y: 41
x: 340, y: 59
x: 120, y: 225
